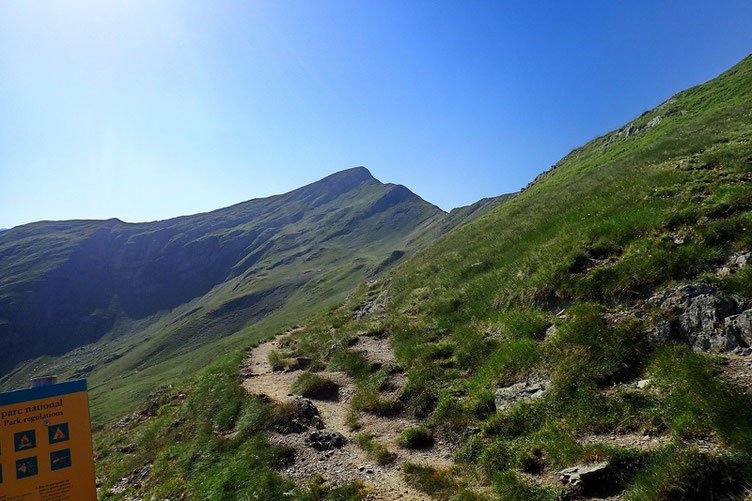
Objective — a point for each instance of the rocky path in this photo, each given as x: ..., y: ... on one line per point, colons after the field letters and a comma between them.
x: 350, y: 462
x: 737, y: 368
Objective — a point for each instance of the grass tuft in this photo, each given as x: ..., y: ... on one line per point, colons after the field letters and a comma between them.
x: 314, y: 386
x: 417, y: 437
x: 378, y: 451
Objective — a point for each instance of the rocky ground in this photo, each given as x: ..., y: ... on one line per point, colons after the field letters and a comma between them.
x: 337, y: 463
x: 696, y: 314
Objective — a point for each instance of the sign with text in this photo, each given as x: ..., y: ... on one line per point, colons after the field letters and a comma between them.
x: 46, y: 452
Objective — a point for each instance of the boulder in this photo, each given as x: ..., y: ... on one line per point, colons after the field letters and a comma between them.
x: 735, y: 263
x: 662, y: 332
x: 326, y: 440
x: 520, y: 392
x: 375, y: 305
x: 296, y: 417
x: 740, y: 326
x: 588, y: 479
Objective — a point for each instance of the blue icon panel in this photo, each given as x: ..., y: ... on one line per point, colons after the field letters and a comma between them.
x: 27, y: 467
x: 24, y: 440
x: 60, y: 459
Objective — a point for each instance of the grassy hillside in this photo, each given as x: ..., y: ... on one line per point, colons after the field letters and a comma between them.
x: 131, y: 306
x: 551, y: 286
x: 667, y: 198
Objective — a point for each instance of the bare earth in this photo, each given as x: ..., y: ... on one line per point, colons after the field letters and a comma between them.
x: 341, y: 466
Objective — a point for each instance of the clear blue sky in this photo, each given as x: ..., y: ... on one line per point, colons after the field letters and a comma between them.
x: 145, y: 110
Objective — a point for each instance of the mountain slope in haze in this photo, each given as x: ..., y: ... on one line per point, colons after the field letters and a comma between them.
x: 116, y: 301
x: 556, y: 331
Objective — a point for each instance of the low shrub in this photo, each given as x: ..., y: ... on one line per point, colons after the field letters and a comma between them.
x: 438, y: 483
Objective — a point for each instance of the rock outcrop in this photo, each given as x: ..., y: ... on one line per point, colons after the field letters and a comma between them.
x: 698, y: 315
x: 588, y: 479
x: 519, y: 392
x: 735, y: 263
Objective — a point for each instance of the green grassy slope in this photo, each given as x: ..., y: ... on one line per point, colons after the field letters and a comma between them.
x: 666, y: 198
x: 128, y: 305
x: 658, y: 202
x: 131, y: 306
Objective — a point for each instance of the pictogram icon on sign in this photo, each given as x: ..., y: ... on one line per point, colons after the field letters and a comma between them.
x: 26, y: 467
x: 58, y: 433
x: 25, y: 440
x: 60, y: 459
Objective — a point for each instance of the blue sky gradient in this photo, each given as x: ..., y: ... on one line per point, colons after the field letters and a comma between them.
x: 147, y: 110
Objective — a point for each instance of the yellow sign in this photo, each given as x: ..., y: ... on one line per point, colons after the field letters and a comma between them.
x: 45, y: 444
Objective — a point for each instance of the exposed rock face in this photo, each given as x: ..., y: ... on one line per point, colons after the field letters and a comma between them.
x: 326, y: 440
x: 375, y: 305
x: 740, y: 326
x: 519, y: 392
x: 735, y: 263
x: 654, y: 121
x: 631, y: 129
x: 589, y: 479
x: 698, y: 316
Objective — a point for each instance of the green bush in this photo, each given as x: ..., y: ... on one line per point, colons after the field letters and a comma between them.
x: 496, y: 458
x: 471, y: 451
x: 352, y: 362
x: 421, y: 392
x: 519, y: 323
x: 280, y: 361
x: 696, y: 401
x: 587, y: 351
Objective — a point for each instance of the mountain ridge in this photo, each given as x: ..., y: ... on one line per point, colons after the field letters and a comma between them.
x: 81, y: 293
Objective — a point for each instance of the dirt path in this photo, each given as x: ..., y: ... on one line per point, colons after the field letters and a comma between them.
x: 738, y: 369
x: 349, y: 463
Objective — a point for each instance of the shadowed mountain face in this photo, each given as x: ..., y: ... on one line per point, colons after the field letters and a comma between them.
x: 177, y: 284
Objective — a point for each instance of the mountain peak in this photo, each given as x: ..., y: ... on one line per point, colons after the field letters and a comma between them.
x: 359, y: 173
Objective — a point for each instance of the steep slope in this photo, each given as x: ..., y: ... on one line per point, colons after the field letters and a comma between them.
x: 579, y: 322
x: 584, y: 327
